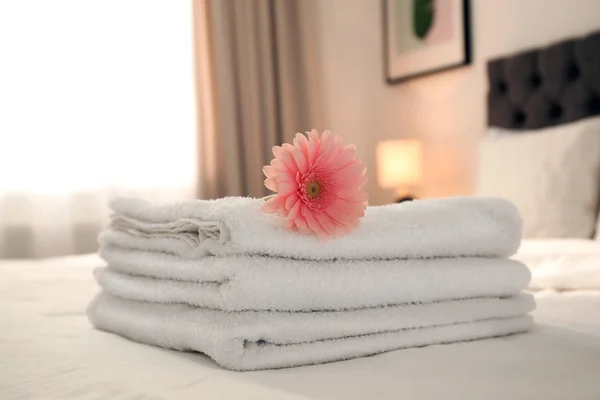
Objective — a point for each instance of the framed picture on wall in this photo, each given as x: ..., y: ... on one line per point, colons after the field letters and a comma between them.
x: 424, y: 36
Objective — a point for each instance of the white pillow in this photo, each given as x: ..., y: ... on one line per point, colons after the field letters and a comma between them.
x: 552, y: 175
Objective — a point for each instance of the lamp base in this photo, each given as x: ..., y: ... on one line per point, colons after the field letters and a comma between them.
x: 404, y: 198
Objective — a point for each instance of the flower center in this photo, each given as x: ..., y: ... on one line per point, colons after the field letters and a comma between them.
x: 313, y: 189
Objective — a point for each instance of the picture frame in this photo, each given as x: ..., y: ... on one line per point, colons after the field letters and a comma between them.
x: 422, y: 37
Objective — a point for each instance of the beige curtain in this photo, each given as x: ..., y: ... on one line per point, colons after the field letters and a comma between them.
x: 258, y: 84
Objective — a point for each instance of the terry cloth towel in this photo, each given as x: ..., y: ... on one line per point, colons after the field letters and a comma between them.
x: 259, y: 340
x: 265, y: 283
x: 451, y: 227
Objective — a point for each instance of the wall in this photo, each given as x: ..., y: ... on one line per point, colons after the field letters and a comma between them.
x: 446, y: 110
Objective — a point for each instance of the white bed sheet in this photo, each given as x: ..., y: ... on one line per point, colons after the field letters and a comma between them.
x: 48, y: 350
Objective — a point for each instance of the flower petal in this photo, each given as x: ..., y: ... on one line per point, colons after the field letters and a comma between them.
x: 301, y: 161
x: 314, y: 224
x: 277, y: 151
x: 269, y: 171
x: 313, y: 146
x: 301, y: 143
x: 326, y: 222
x: 271, y: 184
x: 313, y: 135
x: 355, y: 209
x: 294, y: 210
x: 291, y: 201
x: 338, y: 217
x: 350, y: 171
x: 301, y: 224
x: 285, y: 188
x: 327, y: 143
x: 343, y: 211
x: 280, y: 167
x: 288, y: 148
x: 272, y: 205
x: 290, y: 163
x: 354, y: 195
x: 345, y: 157
x: 288, y: 224
x: 354, y: 181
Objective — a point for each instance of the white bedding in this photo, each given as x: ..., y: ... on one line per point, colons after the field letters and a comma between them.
x: 562, y: 264
x: 48, y: 350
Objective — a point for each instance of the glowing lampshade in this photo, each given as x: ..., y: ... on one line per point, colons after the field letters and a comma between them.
x: 399, y: 163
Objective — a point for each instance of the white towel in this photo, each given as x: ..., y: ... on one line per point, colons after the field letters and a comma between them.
x: 259, y: 340
x: 452, y: 227
x: 267, y: 283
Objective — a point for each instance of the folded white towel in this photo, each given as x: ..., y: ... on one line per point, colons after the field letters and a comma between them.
x: 258, y: 340
x: 452, y: 227
x: 268, y: 283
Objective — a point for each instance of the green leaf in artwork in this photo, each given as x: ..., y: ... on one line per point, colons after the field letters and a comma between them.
x: 423, y: 11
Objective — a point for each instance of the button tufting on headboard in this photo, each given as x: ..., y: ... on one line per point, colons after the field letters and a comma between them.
x: 545, y: 87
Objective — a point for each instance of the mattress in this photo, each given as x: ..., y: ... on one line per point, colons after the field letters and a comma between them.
x: 49, y: 350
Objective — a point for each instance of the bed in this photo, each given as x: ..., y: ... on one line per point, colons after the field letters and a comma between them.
x: 49, y: 350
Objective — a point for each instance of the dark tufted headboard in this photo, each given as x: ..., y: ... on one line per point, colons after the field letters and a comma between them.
x: 545, y: 87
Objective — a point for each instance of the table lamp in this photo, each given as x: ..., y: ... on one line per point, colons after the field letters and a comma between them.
x: 400, y: 166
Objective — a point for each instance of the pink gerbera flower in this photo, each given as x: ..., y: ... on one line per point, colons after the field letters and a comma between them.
x: 319, y: 183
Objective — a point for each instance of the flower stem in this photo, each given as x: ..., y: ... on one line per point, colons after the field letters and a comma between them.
x: 266, y: 198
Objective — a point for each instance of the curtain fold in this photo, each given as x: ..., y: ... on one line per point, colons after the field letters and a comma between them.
x: 259, y: 57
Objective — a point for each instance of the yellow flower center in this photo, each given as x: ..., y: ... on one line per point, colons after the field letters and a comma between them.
x: 313, y: 189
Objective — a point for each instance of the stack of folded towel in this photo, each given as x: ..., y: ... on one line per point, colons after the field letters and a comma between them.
x: 222, y: 278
